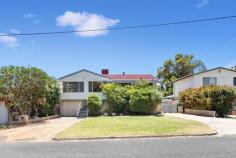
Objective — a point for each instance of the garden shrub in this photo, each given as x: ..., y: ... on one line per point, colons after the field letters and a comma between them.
x: 217, y: 98
x: 139, y: 98
x: 94, y: 105
x: 144, y: 98
x: 117, y: 98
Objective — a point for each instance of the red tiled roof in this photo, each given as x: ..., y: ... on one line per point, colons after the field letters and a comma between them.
x: 130, y: 76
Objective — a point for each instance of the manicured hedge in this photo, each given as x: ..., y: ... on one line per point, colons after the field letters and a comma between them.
x: 217, y: 98
x: 94, y: 105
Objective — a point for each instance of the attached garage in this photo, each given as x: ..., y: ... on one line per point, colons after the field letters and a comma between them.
x: 69, y: 108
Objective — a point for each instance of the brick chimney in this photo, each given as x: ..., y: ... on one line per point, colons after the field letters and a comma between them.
x: 105, y: 72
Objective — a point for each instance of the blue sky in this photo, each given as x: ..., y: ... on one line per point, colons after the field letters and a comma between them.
x: 132, y: 51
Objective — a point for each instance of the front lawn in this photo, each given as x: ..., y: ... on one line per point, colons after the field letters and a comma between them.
x: 130, y: 126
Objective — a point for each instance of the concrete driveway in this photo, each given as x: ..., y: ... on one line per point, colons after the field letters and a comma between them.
x: 40, y: 132
x: 224, y: 126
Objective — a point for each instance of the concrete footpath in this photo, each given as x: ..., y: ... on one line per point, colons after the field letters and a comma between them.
x: 224, y: 126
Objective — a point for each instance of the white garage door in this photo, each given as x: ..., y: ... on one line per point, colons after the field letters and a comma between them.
x: 69, y: 108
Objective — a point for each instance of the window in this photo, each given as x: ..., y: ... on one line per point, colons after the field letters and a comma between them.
x: 95, y: 86
x: 234, y: 81
x: 207, y: 81
x: 73, y: 86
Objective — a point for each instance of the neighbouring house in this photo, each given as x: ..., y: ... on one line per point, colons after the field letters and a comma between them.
x: 217, y: 76
x: 76, y: 87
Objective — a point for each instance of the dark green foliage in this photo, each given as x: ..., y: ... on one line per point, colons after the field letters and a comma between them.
x: 217, y: 98
x: 117, y: 97
x: 144, y: 98
x: 94, y: 105
x: 27, y: 89
x: 52, y: 96
x: 138, y: 98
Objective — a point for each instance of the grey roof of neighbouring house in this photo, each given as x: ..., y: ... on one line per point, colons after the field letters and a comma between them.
x: 203, y: 72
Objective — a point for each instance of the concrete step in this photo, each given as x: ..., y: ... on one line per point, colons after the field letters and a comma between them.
x: 83, y: 112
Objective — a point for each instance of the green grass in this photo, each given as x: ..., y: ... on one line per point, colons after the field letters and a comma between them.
x: 125, y: 126
x: 2, y: 127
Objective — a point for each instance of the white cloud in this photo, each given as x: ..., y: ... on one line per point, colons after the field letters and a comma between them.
x: 9, y: 41
x: 86, y: 21
x: 29, y: 16
x: 203, y: 3
x: 15, y: 31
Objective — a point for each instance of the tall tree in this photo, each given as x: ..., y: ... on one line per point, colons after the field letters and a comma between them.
x: 181, y: 66
x: 26, y: 90
x: 233, y: 68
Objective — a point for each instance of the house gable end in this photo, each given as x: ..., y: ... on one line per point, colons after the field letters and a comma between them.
x: 84, y: 75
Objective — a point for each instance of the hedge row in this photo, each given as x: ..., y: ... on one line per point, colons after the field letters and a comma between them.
x: 216, y: 98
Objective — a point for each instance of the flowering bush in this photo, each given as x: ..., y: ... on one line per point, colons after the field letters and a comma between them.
x: 217, y: 98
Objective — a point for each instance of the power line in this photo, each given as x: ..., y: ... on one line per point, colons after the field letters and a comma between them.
x: 121, y: 28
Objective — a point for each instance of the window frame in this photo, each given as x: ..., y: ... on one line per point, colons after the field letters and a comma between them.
x: 80, y: 87
x: 234, y: 81
x: 91, y: 87
x: 203, y: 79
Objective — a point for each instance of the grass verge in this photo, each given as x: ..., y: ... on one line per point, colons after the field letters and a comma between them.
x: 133, y: 126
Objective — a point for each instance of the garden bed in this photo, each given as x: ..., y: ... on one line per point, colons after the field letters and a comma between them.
x: 42, y: 119
x: 133, y: 126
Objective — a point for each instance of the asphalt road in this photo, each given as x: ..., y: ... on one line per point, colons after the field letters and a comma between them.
x: 201, y: 147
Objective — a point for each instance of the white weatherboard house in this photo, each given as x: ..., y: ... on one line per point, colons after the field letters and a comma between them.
x: 76, y: 87
x: 217, y: 76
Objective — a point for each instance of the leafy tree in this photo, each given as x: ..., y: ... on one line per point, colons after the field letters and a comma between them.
x: 52, y: 96
x: 181, y: 66
x: 26, y: 89
x: 233, y: 68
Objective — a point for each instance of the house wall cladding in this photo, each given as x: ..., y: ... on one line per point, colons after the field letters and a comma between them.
x: 3, y: 113
x: 224, y: 77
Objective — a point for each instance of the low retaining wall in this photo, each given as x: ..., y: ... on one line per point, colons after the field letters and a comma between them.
x: 233, y: 112
x: 42, y: 119
x: 200, y: 112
